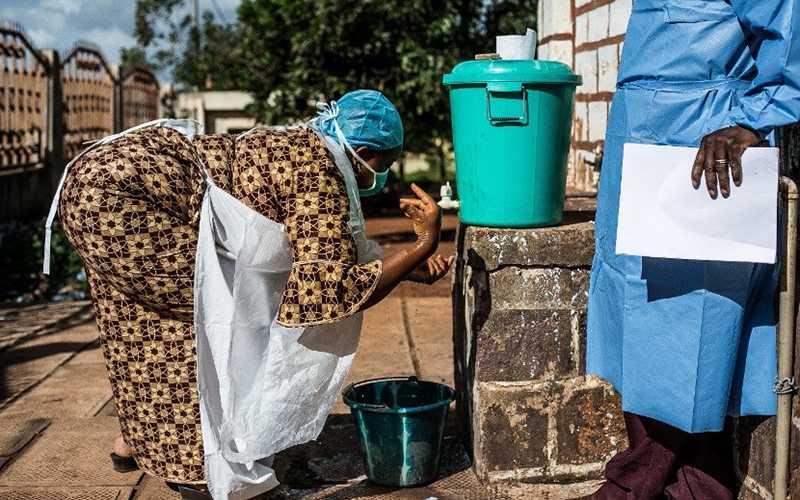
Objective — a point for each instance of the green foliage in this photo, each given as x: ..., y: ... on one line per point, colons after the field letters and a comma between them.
x: 319, y: 49
x: 131, y: 57
x: 505, y: 17
x: 291, y: 53
x: 207, y: 58
x: 21, y: 249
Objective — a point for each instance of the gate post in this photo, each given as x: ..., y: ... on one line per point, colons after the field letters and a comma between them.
x: 55, y: 120
x: 119, y: 105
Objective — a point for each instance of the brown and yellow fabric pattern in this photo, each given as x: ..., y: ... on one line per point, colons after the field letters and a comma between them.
x: 130, y: 208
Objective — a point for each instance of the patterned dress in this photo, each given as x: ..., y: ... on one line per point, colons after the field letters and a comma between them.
x: 131, y: 210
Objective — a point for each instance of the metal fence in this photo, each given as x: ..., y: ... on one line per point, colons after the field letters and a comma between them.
x: 51, y: 105
x: 24, y: 74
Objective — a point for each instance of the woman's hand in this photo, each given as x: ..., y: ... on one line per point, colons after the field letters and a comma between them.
x: 427, y: 219
x: 432, y: 270
x: 426, y: 216
x: 720, y: 157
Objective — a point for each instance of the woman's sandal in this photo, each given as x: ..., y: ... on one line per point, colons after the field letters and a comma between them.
x: 123, y: 464
x: 188, y: 492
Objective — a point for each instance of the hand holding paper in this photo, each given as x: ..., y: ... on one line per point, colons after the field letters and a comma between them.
x: 661, y: 215
x: 720, y: 151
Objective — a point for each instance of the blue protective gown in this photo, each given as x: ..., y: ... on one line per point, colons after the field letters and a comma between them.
x: 689, y: 342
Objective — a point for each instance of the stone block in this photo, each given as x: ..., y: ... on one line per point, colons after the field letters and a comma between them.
x: 755, y: 441
x: 560, y: 50
x: 511, y: 429
x: 620, y: 11
x: 586, y: 66
x: 598, y: 119
x: 581, y: 29
x: 560, y: 17
x: 555, y: 17
x: 590, y: 426
x: 568, y: 245
x: 539, y: 288
x: 598, y: 23
x: 545, y: 10
x: 579, y: 333
x: 525, y: 345
x: 580, y: 125
x: 543, y: 51
x: 540, y: 20
x: 607, y: 66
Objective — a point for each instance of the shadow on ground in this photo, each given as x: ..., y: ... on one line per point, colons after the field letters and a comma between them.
x: 19, y: 349
x: 17, y: 356
x: 332, y: 466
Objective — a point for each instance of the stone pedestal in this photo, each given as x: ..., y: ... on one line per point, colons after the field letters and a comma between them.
x: 530, y: 412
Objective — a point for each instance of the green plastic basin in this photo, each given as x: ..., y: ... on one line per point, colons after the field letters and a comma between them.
x: 400, y: 424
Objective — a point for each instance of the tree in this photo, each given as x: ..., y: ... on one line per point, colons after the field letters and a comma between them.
x: 291, y: 53
x: 133, y: 57
x: 204, y: 58
x: 309, y: 50
x: 508, y: 17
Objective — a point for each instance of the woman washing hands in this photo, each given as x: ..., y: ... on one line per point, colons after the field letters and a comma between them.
x: 418, y: 263
x: 435, y: 268
x: 229, y: 273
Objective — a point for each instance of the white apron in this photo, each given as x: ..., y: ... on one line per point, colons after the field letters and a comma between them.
x: 263, y: 387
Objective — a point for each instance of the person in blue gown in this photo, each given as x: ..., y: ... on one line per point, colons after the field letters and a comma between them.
x: 688, y: 343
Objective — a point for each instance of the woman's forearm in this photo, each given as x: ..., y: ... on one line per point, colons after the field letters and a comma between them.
x: 396, y: 267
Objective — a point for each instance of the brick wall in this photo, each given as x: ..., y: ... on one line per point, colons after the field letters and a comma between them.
x: 588, y: 36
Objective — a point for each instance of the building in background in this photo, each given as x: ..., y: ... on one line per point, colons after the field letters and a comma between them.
x: 220, y: 111
x: 588, y: 36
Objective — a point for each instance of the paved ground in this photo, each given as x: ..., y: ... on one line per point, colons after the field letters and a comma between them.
x: 57, y: 420
x: 18, y: 324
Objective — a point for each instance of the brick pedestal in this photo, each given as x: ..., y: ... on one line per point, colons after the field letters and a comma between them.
x: 530, y: 412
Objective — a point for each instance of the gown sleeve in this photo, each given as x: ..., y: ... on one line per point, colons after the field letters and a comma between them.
x: 773, y: 99
x: 326, y: 282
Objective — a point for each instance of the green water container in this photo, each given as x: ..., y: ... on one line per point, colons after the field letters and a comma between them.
x: 511, y: 134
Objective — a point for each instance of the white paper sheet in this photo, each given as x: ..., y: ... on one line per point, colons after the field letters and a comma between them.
x: 516, y: 47
x: 662, y: 215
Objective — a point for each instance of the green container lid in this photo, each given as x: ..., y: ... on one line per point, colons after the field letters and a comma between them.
x: 533, y: 71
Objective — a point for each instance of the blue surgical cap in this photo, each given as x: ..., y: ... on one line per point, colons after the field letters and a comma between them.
x: 367, y: 118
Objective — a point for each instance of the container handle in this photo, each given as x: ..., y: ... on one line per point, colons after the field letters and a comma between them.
x: 347, y: 389
x: 506, y: 88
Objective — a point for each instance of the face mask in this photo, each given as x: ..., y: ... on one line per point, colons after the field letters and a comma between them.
x: 378, y: 182
x: 379, y: 178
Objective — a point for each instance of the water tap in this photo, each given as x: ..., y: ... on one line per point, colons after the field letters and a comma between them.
x: 447, y: 202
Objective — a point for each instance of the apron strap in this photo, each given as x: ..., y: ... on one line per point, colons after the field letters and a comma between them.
x: 51, y: 215
x: 329, y: 112
x: 48, y: 226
